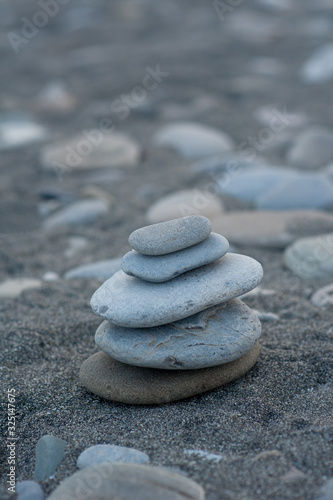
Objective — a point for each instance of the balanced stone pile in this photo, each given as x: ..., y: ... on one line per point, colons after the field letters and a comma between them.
x: 174, y: 327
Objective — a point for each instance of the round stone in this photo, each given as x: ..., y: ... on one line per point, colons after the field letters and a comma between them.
x: 160, y: 268
x: 184, y: 202
x: 170, y: 236
x: 124, y: 383
x: 130, y: 301
x: 212, y: 337
x: 193, y: 140
x: 110, y: 453
x: 126, y: 482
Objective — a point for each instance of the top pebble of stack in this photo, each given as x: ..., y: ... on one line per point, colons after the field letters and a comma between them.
x: 170, y: 236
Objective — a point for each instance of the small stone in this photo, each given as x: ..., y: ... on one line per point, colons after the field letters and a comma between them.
x: 170, y: 236
x: 110, y: 453
x: 79, y: 213
x: 323, y: 296
x: 127, y: 482
x: 50, y: 451
x: 121, y: 382
x: 160, y: 268
x: 326, y: 491
x: 266, y: 316
x: 91, y: 149
x: 271, y: 229
x: 182, y: 203
x: 17, y: 130
x: 55, y: 98
x: 103, y: 269
x: 76, y: 244
x: 193, y: 140
x: 293, y: 475
x: 319, y: 67
x: 50, y: 276
x: 312, y: 148
x: 132, y: 302
x: 311, y: 257
x: 309, y: 191
x: 212, y: 337
x: 12, y: 288
x: 211, y: 457
x: 29, y: 490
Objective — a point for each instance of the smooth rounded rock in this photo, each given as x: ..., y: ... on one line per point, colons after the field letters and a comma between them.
x: 103, y: 269
x: 170, y: 236
x: 50, y: 451
x: 271, y: 229
x: 309, y: 191
x: 12, y: 288
x: 312, y: 148
x: 81, y: 152
x: 160, y: 268
x: 130, y: 301
x: 247, y: 183
x: 323, y: 296
x: 311, y: 258
x: 182, y: 203
x: 212, y: 337
x: 193, y: 140
x: 127, y: 482
x: 101, y: 453
x: 319, y: 67
x: 124, y: 383
x: 29, y: 490
x: 79, y: 213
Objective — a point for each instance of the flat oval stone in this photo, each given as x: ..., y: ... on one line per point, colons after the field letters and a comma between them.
x: 211, y: 337
x: 160, y: 268
x: 110, y: 453
x: 124, y: 383
x: 127, y: 482
x: 130, y: 301
x: 170, y: 236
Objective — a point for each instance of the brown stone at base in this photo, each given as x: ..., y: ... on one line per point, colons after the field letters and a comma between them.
x: 124, y: 383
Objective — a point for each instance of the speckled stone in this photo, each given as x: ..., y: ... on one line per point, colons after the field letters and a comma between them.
x: 212, y: 337
x: 130, y: 301
x: 160, y: 268
x: 101, y: 453
x: 170, y: 236
x: 127, y: 482
x: 124, y: 383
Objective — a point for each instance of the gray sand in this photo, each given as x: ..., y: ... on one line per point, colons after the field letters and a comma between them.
x: 276, y: 418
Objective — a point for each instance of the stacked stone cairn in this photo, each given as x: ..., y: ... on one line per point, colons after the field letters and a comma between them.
x: 173, y: 326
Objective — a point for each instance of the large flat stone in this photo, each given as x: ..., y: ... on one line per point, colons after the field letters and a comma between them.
x: 124, y: 383
x: 130, y: 301
x: 160, y: 268
x: 170, y: 236
x: 127, y: 482
x: 212, y: 337
x: 270, y: 228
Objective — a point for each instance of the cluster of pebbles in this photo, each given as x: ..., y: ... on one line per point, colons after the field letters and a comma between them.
x: 173, y: 326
